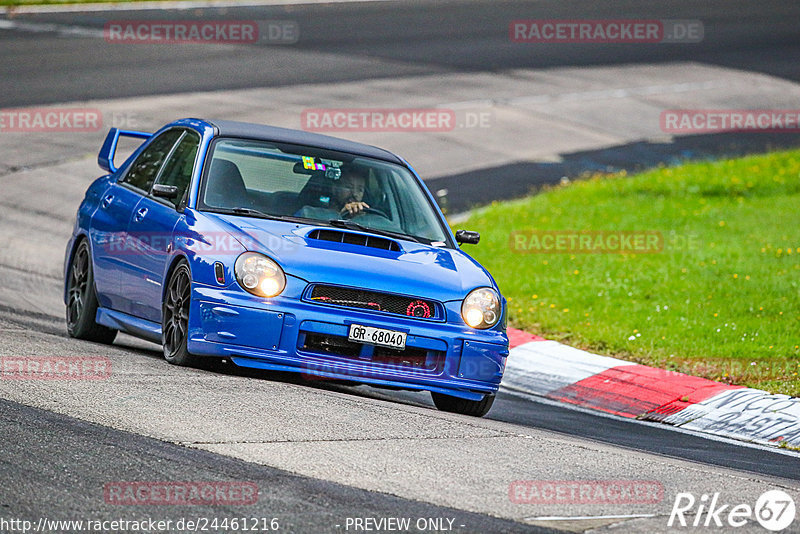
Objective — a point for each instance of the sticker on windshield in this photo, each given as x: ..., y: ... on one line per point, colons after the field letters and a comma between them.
x: 308, y: 163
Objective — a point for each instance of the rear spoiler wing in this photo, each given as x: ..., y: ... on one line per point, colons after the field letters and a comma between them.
x: 106, y: 157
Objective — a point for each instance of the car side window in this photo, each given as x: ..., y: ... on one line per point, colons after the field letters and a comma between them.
x: 144, y: 169
x: 178, y: 169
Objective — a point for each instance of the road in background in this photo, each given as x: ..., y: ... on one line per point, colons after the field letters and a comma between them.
x: 437, y: 53
x: 390, y: 448
x: 363, y: 40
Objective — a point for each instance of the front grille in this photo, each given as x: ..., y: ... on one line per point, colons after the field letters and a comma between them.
x: 409, y: 359
x: 338, y: 346
x: 374, y: 300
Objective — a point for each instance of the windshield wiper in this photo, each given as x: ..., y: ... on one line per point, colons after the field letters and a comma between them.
x: 342, y: 223
x: 250, y: 211
x: 260, y: 214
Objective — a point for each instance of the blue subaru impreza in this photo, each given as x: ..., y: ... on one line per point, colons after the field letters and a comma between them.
x: 284, y: 250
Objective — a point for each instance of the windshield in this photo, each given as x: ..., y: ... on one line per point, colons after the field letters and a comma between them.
x: 258, y: 178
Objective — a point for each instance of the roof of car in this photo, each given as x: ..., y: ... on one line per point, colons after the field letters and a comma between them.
x: 284, y: 135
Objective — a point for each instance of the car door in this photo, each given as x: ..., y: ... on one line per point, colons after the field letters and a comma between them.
x: 113, y: 250
x: 109, y: 223
x: 150, y: 231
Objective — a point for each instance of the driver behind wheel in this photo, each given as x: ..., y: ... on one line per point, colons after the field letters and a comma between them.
x: 346, y: 195
x: 348, y: 191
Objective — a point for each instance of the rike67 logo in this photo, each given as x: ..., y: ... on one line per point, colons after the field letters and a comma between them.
x: 774, y: 510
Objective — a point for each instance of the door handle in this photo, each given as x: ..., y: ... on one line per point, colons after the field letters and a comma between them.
x: 107, y: 200
x: 140, y: 213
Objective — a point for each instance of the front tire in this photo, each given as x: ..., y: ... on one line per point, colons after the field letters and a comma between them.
x: 175, y: 316
x: 448, y: 403
x: 82, y: 299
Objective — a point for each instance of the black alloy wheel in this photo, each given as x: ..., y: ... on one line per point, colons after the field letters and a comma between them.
x: 175, y: 322
x: 82, y: 299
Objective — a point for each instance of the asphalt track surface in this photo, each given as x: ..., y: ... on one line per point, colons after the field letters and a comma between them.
x: 55, y: 464
x: 45, y: 442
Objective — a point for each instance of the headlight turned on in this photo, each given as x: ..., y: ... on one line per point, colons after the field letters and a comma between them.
x: 259, y: 275
x: 481, y: 308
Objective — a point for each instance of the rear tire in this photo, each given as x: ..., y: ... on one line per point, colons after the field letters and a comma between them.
x: 448, y: 403
x: 175, y: 316
x: 82, y: 299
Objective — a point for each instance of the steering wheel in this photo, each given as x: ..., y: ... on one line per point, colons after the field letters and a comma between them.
x: 365, y: 211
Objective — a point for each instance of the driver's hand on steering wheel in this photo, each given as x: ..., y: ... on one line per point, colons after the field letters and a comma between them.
x: 353, y: 208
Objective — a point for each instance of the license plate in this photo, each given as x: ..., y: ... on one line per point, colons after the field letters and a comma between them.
x: 377, y: 336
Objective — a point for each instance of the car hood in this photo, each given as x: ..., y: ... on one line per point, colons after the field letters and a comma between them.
x: 417, y: 269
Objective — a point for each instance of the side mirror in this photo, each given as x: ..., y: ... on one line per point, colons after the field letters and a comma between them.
x: 467, y: 237
x: 165, y: 191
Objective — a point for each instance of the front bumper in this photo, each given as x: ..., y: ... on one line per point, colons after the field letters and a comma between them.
x: 286, y: 334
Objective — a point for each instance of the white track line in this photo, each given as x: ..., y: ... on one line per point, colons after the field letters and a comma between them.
x: 585, y: 517
x: 60, y: 29
x: 147, y: 6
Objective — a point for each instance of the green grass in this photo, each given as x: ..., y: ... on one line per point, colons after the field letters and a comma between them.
x: 721, y: 300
